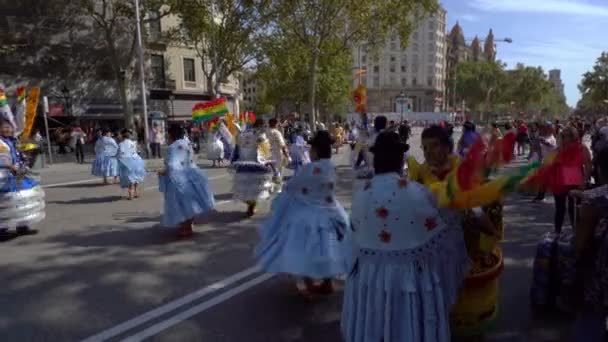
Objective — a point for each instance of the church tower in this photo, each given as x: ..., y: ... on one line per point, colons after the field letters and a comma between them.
x: 489, y: 48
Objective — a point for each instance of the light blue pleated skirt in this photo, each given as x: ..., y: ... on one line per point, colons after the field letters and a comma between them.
x: 105, y: 166
x: 304, y: 239
x: 404, y: 296
x: 195, y: 198
x: 131, y: 171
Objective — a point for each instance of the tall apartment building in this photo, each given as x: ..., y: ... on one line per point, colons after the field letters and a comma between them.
x: 417, y: 68
x: 174, y: 75
x: 555, y: 77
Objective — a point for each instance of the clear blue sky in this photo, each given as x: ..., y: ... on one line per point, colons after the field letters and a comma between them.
x: 555, y: 34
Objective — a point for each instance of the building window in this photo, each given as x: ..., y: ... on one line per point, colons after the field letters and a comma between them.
x: 392, y: 68
x: 430, y: 70
x: 364, y: 59
x: 155, y: 27
x: 393, y: 58
x: 429, y: 81
x: 364, y: 80
x: 403, y: 68
x: 393, y: 47
x: 376, y: 81
x: 415, y: 59
x: 415, y: 46
x: 414, y: 81
x: 391, y: 80
x: 158, y: 69
x: 431, y: 35
x: 404, y: 82
x: 376, y: 69
x: 431, y: 48
x: 431, y: 58
x: 189, y: 73
x: 431, y: 25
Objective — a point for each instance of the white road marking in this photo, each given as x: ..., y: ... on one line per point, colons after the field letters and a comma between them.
x: 93, y: 180
x: 195, y: 310
x: 162, y: 310
x: 71, y: 183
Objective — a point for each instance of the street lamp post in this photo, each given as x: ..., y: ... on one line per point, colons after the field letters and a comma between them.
x: 401, y: 101
x: 142, y: 75
x: 68, y: 100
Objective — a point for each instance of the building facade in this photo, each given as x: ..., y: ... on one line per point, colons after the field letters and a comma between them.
x: 249, y: 90
x: 177, y: 81
x: 555, y: 77
x: 416, y: 69
x: 174, y: 76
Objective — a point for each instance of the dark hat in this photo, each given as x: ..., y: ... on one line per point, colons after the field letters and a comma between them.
x: 322, y: 138
x: 388, y: 143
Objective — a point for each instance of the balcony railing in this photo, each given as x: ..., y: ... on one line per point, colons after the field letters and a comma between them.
x: 161, y: 84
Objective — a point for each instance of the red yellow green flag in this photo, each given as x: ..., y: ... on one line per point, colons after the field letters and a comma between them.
x: 205, y: 111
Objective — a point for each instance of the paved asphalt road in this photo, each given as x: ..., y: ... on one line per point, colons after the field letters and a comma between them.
x: 102, y: 268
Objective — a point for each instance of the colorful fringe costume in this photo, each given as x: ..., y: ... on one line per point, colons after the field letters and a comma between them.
x: 465, y: 186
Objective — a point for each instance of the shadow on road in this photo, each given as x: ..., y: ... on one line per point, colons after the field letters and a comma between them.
x: 84, y: 185
x: 223, y: 197
x: 89, y: 200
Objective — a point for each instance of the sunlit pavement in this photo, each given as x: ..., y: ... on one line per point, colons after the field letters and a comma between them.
x: 103, y: 268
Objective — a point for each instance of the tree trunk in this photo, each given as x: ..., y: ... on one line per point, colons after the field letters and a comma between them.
x: 218, y: 84
x: 312, y: 89
x: 210, y: 85
x: 125, y: 99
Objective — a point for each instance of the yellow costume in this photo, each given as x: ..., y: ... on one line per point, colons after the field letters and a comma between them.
x: 337, y: 133
x: 476, y: 308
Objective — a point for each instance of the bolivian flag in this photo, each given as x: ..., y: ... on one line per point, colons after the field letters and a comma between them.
x: 205, y: 111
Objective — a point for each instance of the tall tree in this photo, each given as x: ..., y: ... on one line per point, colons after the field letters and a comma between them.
x: 319, y: 25
x: 284, y: 72
x: 480, y: 84
x: 594, y: 86
x: 225, y: 34
x: 115, y: 22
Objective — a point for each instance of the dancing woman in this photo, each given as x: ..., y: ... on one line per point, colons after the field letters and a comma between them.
x: 306, y: 234
x: 131, y: 169
x: 105, y: 164
x: 185, y: 187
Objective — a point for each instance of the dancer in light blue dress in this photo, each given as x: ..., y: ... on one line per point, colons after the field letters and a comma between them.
x: 298, y: 153
x: 132, y: 169
x: 307, y: 233
x: 105, y: 164
x: 186, y: 189
x: 410, y: 258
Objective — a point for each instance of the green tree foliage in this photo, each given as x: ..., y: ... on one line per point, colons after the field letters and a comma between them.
x: 325, y: 28
x: 488, y: 87
x: 594, y: 88
x: 225, y: 33
x: 479, y: 83
x: 284, y: 76
x: 116, y: 24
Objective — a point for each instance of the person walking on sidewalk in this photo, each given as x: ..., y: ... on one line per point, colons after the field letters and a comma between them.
x: 157, y: 138
x: 77, y: 143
